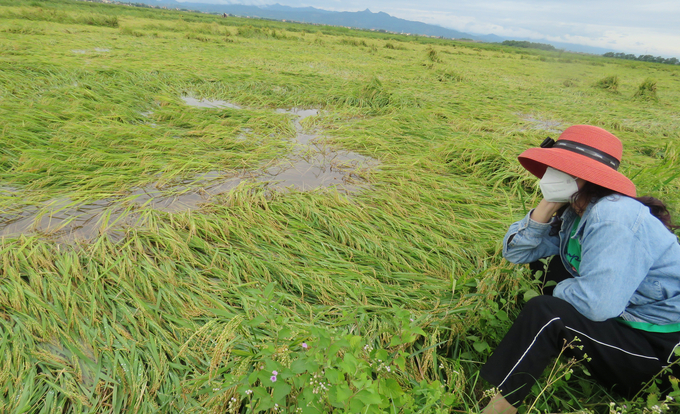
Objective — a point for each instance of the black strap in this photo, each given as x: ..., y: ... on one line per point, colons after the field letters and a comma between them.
x: 585, y: 150
x: 588, y: 151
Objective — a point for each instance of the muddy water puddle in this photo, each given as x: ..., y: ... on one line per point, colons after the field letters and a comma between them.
x: 310, y: 164
x: 84, y: 51
x: 205, y: 103
x: 67, y: 221
x: 538, y: 123
x: 74, y: 350
x: 314, y: 164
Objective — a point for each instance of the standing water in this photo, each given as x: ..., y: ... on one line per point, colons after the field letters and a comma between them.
x: 311, y: 164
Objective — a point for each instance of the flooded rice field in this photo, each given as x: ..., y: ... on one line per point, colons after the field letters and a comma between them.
x: 310, y: 165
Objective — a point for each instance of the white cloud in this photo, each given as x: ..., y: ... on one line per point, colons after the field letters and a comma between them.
x: 633, y: 26
x: 641, y: 39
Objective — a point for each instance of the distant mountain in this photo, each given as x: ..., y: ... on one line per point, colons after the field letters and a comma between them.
x: 281, y: 7
x: 362, y: 19
x: 572, y: 47
x: 492, y: 38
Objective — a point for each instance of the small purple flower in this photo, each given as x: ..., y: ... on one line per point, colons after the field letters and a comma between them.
x: 304, y: 345
x: 273, y: 378
x: 275, y: 373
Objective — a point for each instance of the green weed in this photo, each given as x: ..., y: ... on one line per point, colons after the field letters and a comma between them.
x: 646, y: 91
x: 21, y: 29
x: 433, y: 56
x: 609, y: 83
x: 371, y: 95
x: 390, y: 45
x: 353, y: 42
x: 129, y: 31
x: 42, y: 13
x: 450, y: 76
x: 196, y: 36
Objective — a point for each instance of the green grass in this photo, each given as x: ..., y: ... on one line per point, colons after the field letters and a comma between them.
x: 182, y: 312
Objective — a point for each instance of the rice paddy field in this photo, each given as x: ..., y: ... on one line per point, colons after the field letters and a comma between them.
x: 207, y: 214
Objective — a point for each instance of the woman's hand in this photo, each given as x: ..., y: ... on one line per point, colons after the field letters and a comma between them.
x: 545, y: 210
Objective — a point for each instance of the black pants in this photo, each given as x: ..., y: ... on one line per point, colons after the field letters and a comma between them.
x: 619, y: 357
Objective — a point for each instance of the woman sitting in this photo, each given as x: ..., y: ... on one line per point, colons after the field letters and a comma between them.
x: 617, y: 265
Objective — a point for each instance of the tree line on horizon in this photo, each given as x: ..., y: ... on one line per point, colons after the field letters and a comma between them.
x: 528, y: 45
x: 643, y: 58
x: 629, y: 56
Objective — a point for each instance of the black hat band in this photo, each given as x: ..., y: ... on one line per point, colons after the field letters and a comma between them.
x: 582, y: 149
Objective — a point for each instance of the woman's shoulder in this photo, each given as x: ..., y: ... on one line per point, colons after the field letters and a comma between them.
x: 619, y: 208
x: 618, y: 202
x: 632, y: 214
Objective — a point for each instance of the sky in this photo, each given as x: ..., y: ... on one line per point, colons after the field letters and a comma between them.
x: 633, y: 26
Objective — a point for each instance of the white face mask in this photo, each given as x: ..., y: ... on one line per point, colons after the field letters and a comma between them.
x: 557, y: 186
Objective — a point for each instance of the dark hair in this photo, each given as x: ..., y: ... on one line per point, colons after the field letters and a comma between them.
x: 590, y: 193
x: 658, y: 210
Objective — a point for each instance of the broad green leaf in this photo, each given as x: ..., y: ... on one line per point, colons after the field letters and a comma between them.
x: 368, y: 397
x: 301, y: 365
x: 529, y: 294
x: 480, y: 346
x: 340, y: 394
x: 390, y: 388
x: 281, y: 389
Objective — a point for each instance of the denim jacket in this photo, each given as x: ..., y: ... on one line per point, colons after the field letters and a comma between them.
x: 630, y: 262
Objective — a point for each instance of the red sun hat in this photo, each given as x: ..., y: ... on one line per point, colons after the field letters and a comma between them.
x: 583, y: 151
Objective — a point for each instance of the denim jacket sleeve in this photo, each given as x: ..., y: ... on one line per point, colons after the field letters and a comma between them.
x: 527, y: 241
x: 614, y: 261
